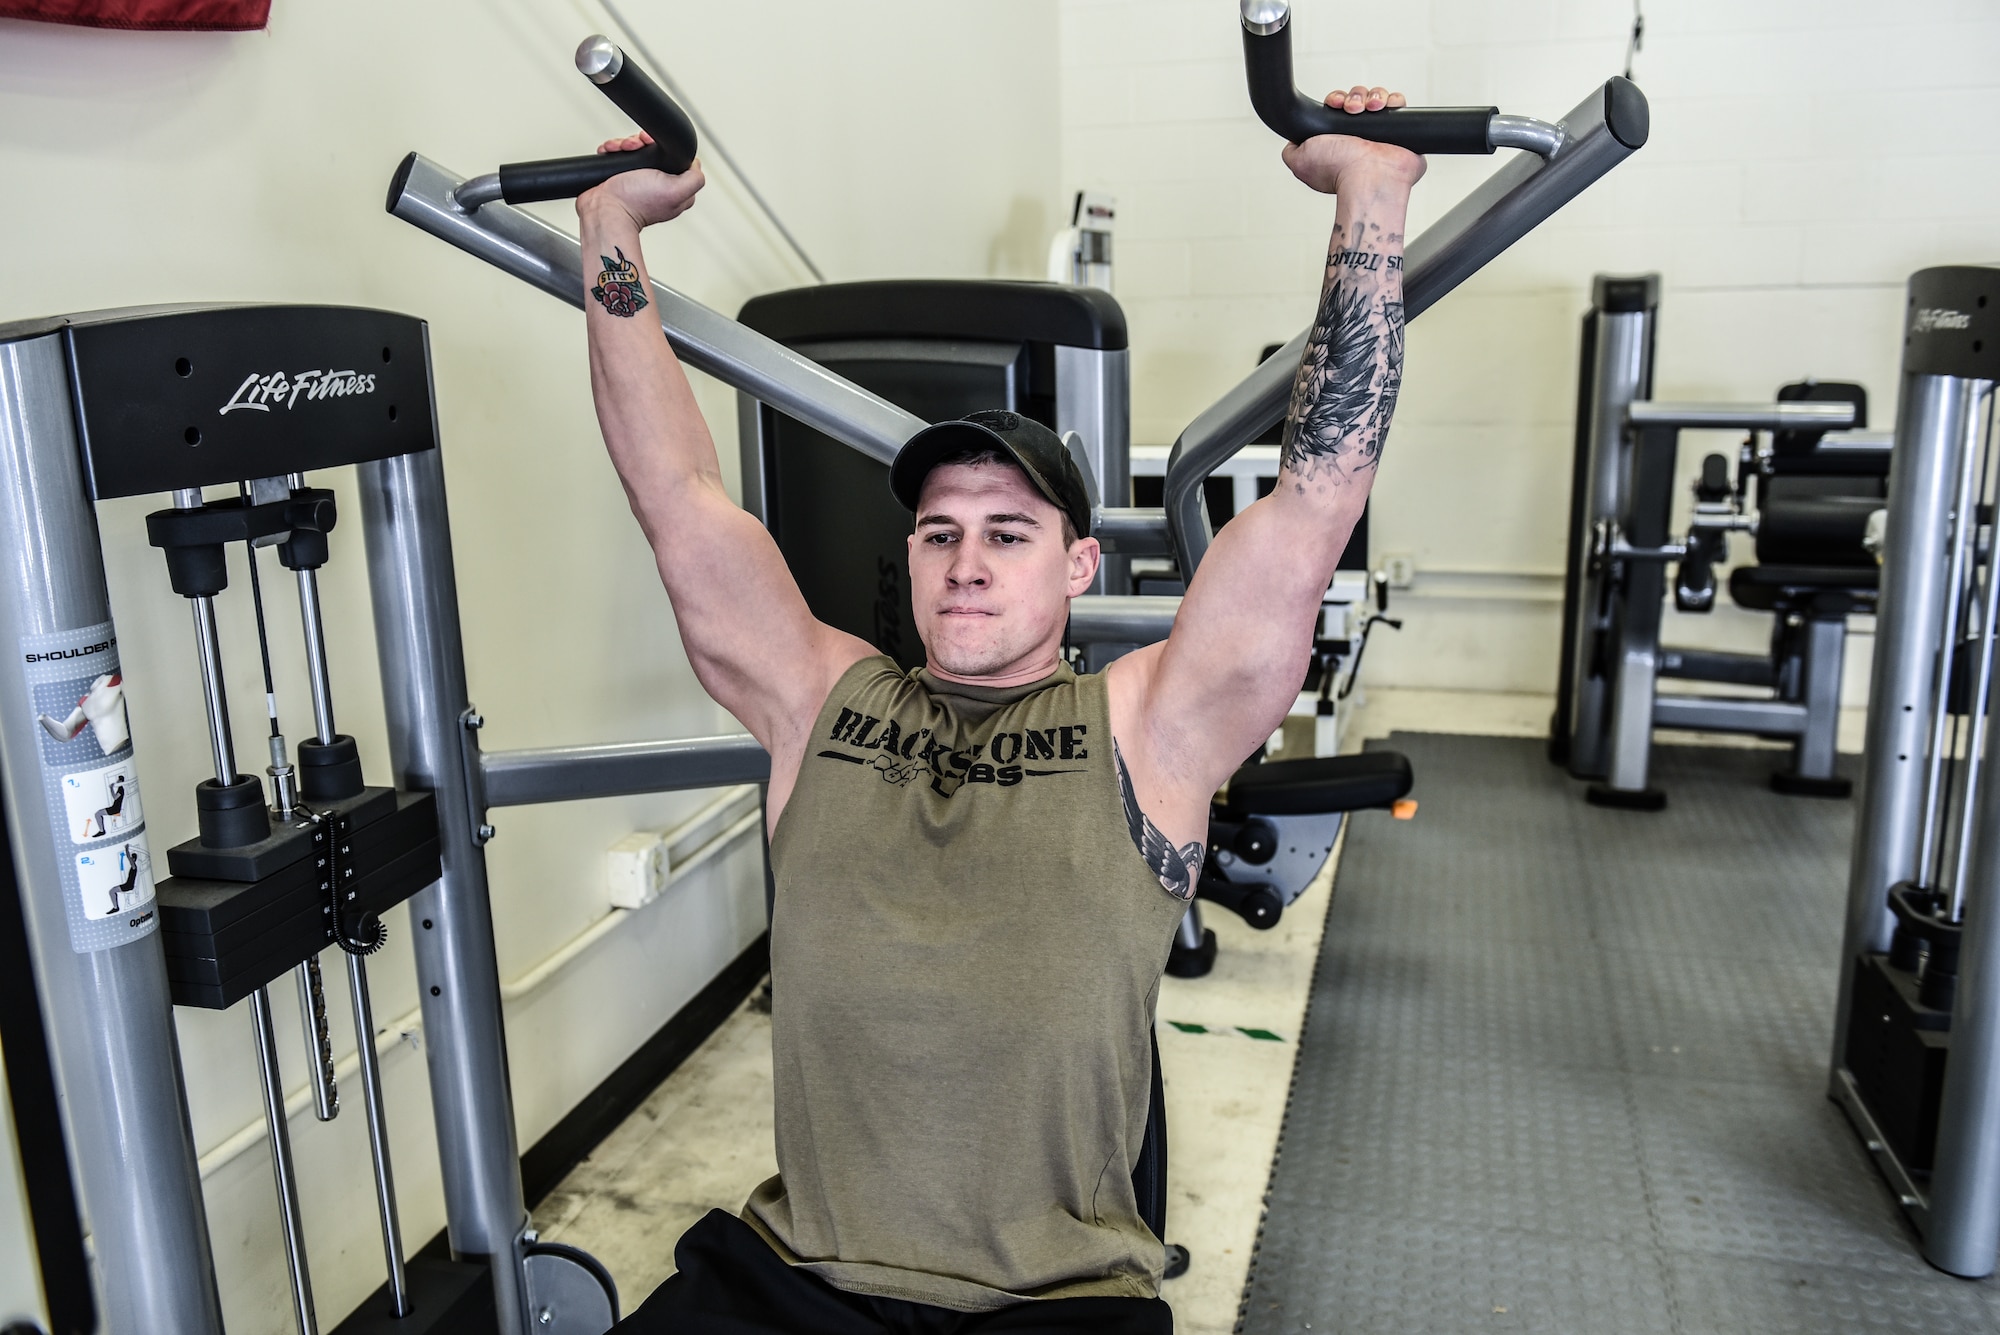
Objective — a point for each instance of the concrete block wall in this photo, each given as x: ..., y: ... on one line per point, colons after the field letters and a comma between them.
x: 1805, y: 158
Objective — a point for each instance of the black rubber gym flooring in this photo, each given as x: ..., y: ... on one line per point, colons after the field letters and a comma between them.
x: 1564, y: 1070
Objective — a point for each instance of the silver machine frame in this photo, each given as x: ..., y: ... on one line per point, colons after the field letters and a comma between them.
x: 1929, y: 805
x: 1617, y: 584
x: 1558, y: 163
x: 127, y: 1117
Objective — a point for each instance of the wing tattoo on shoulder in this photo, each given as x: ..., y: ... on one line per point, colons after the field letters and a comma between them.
x: 1179, y: 869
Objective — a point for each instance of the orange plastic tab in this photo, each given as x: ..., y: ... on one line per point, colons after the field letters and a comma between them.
x: 1405, y: 808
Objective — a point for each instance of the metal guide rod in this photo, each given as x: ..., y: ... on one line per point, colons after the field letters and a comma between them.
x: 208, y: 647
x: 544, y: 257
x: 378, y: 1133
x: 275, y: 1122
x: 314, y: 627
x: 315, y: 632
x: 1513, y: 202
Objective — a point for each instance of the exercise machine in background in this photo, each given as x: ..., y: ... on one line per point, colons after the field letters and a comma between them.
x: 1916, y: 1052
x: 1803, y: 489
x: 1080, y: 254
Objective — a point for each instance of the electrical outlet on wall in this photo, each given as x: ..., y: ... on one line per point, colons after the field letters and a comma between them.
x: 1401, y: 570
x: 636, y: 870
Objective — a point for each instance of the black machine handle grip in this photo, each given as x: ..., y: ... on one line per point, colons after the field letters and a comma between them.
x: 632, y: 91
x: 566, y: 178
x: 1267, y: 59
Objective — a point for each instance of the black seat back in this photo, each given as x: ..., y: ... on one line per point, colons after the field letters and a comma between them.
x: 1813, y: 505
x: 1795, y: 453
x: 938, y: 348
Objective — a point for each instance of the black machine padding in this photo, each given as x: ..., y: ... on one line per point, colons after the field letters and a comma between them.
x: 1009, y: 312
x: 1799, y: 451
x: 1322, y: 784
x: 1820, y: 590
x: 1810, y: 530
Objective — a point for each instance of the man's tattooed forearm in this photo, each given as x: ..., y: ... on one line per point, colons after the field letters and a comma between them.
x: 1352, y: 369
x: 618, y: 288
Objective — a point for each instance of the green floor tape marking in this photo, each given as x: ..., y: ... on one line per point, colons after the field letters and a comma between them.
x: 1230, y: 1031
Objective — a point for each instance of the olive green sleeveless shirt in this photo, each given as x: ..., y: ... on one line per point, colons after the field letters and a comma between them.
x: 965, y: 955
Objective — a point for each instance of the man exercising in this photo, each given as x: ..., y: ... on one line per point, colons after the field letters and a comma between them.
x: 980, y: 864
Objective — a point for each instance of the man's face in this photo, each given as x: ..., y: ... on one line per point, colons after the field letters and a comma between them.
x: 990, y: 576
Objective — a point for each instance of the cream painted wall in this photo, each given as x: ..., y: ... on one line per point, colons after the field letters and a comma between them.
x: 1806, y: 157
x: 172, y: 167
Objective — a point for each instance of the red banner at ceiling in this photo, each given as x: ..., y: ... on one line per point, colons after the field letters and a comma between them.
x: 172, y: 15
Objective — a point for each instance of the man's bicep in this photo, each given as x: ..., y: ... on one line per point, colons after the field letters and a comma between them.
x: 755, y: 645
x: 1237, y: 657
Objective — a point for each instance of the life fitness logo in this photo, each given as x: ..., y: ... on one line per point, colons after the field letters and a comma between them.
x: 1929, y: 319
x: 259, y: 392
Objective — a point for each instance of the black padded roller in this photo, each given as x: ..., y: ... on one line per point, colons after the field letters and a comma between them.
x: 1815, y: 530
x: 1267, y: 59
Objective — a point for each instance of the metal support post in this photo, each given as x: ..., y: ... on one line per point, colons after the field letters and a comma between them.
x: 1189, y: 934
x: 1932, y: 421
x: 414, y: 592
x: 1964, y: 1230
x: 1621, y: 370
x: 1093, y: 399
x: 1645, y: 507
x: 124, y: 1105
x: 1826, y: 647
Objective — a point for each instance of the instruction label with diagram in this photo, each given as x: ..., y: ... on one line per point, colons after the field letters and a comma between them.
x: 77, y: 694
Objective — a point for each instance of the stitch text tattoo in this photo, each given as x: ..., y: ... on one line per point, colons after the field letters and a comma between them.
x: 618, y: 288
